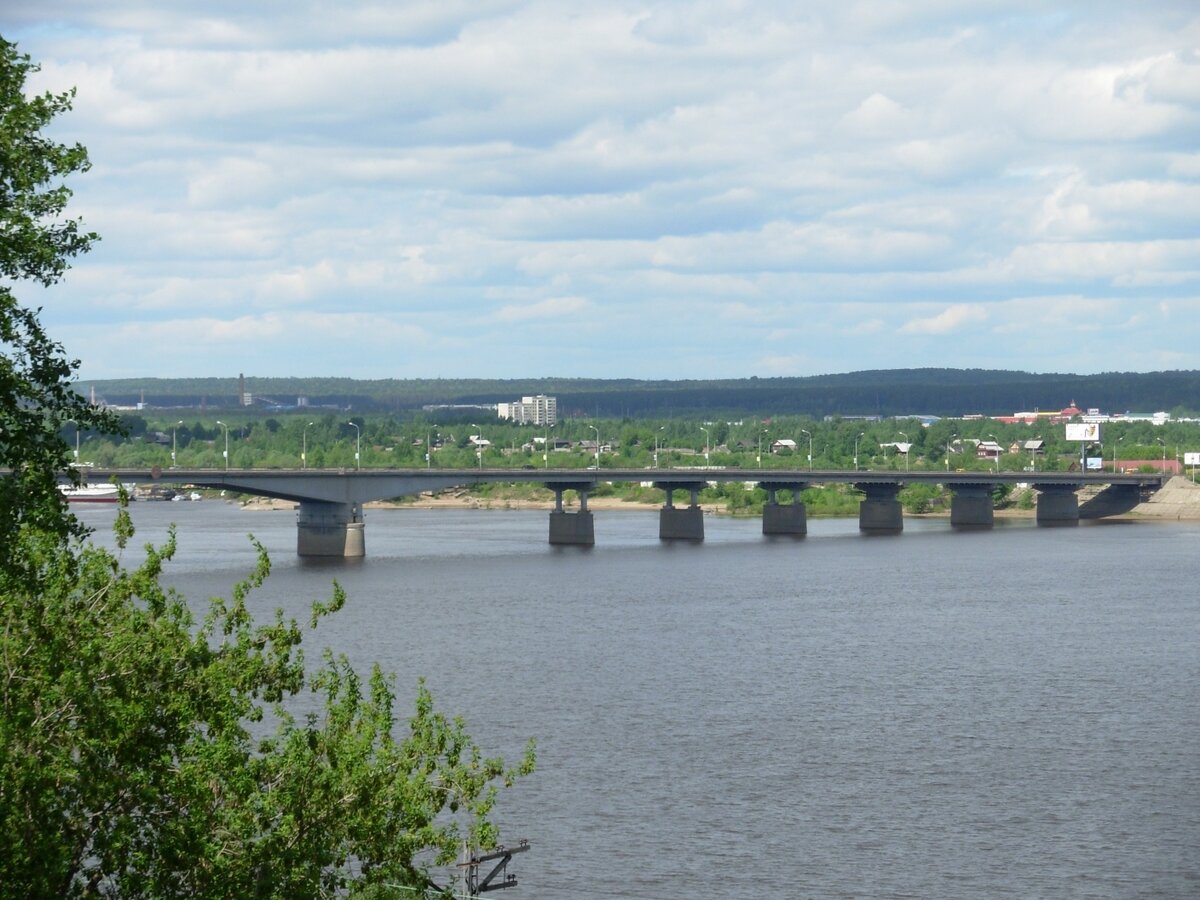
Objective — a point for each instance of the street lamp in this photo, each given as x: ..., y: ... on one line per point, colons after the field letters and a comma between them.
x: 758, y: 458
x: 76, y: 424
x: 357, y: 445
x: 907, y: 447
x: 1115, y: 443
x: 1164, y: 456
x: 226, y: 427
x: 861, y: 434
x: 1037, y: 438
x: 597, y: 430
x: 479, y: 445
x: 304, y: 447
x: 948, y: 440
x: 705, y: 430
x: 660, y: 428
x: 997, y: 443
x: 174, y: 428
x: 809, y: 433
x: 546, y: 447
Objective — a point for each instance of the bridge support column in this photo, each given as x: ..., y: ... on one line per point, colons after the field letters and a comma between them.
x: 880, y: 512
x: 1057, y: 504
x: 791, y: 519
x: 972, y: 508
x: 572, y: 529
x: 330, y: 529
x: 681, y: 524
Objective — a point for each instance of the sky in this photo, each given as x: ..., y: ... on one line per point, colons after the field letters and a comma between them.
x: 510, y: 189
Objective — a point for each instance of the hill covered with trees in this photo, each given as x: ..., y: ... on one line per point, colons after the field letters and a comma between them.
x: 944, y: 392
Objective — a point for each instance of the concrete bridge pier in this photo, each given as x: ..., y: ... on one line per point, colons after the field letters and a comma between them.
x: 972, y: 508
x: 791, y: 519
x: 1057, y: 504
x: 880, y: 512
x: 567, y: 528
x: 681, y: 524
x: 325, y: 528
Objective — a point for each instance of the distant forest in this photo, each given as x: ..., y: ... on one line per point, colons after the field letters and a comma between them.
x: 894, y: 392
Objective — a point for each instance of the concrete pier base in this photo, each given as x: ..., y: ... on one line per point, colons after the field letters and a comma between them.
x: 1057, y: 505
x: 791, y: 519
x: 681, y: 523
x: 330, y: 529
x: 880, y: 512
x: 572, y: 529
x: 972, y: 508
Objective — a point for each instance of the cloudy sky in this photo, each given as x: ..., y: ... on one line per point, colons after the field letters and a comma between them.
x: 501, y: 188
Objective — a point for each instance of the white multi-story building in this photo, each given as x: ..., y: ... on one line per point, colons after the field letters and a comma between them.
x: 539, y: 410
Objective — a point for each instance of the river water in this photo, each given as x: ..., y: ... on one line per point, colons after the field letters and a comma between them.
x: 1013, y: 713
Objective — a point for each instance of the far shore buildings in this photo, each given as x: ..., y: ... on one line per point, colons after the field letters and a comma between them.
x: 537, y: 410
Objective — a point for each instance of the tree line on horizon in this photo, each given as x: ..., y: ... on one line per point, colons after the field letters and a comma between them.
x: 891, y: 392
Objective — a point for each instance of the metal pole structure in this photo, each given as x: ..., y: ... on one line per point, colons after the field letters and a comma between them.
x: 997, y: 443
x: 428, y: 450
x: 76, y: 424
x: 810, y: 461
x: 1164, y: 456
x: 705, y: 430
x: 226, y: 427
x: 660, y: 428
x: 479, y: 445
x: 907, y: 446
x: 1036, y: 437
x: 546, y: 447
x: 597, y: 430
x: 357, y: 445
x: 948, y: 440
x: 174, y: 429
x: 862, y: 434
x: 304, y: 447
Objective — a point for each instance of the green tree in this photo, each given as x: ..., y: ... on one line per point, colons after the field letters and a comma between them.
x: 36, y: 244
x: 135, y: 754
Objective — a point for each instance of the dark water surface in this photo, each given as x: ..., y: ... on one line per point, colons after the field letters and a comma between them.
x: 1013, y: 713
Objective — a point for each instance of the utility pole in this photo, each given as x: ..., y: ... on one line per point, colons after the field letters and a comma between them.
x: 476, y: 886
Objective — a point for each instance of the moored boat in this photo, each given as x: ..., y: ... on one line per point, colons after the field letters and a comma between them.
x: 90, y: 493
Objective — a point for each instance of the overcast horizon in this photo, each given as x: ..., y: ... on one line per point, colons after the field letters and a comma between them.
x: 509, y: 189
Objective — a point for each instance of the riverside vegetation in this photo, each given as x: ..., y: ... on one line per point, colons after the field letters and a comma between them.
x: 148, y: 746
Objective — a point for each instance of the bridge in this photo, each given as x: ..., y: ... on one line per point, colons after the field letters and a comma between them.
x: 329, y: 519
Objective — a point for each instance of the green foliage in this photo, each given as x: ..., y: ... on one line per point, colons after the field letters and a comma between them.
x: 920, y: 498
x: 130, y: 766
x: 36, y: 394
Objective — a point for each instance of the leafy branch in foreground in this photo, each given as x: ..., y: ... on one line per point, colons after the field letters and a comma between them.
x: 130, y: 765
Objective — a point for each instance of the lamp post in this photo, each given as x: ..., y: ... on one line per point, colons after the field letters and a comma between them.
x: 758, y: 459
x: 546, y: 447
x: 597, y: 430
x: 1164, y: 456
x: 1034, y: 452
x: 226, y: 427
x: 304, y: 447
x: 428, y: 450
x: 478, y: 445
x: 660, y: 428
x: 997, y: 443
x: 357, y: 445
x: 174, y: 429
x: 861, y: 434
x: 76, y: 424
x: 705, y: 430
x: 809, y: 433
x: 1114, y: 462
x: 948, y: 440
x: 907, y: 447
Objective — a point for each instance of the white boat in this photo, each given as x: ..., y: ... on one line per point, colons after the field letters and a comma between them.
x: 90, y: 493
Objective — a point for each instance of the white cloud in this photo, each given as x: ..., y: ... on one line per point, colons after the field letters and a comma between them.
x: 550, y: 308
x: 949, y: 320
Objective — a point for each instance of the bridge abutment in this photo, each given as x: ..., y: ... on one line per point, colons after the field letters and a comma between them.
x: 571, y: 528
x: 780, y: 519
x: 880, y: 512
x: 330, y: 529
x: 971, y: 508
x: 1057, y: 504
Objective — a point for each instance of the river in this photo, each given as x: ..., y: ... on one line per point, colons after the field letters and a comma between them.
x: 1013, y: 713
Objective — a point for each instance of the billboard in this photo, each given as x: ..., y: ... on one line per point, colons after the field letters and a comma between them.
x: 1083, y: 431
x: 1095, y: 463
x: 1191, y: 459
